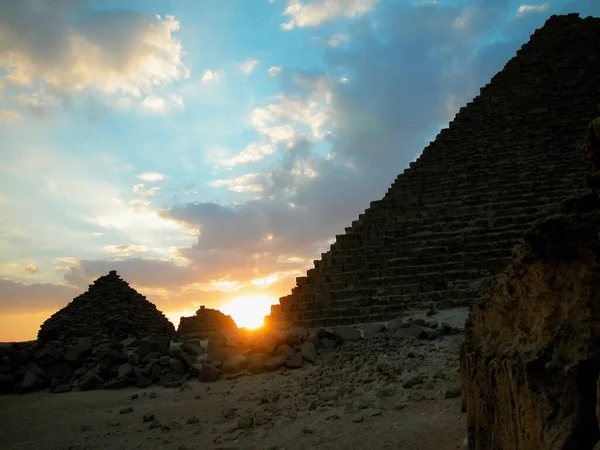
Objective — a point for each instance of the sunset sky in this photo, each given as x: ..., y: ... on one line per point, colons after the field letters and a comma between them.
x: 210, y: 150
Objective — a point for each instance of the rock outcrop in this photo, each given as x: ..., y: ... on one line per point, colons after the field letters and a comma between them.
x: 206, y: 323
x: 530, y: 363
x: 451, y: 219
x: 111, y: 308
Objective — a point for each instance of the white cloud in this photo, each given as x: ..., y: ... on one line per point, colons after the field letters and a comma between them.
x: 30, y: 268
x: 66, y: 48
x: 126, y: 250
x: 162, y: 105
x: 336, y: 40
x: 154, y: 103
x: 151, y: 176
x: 66, y: 260
x: 139, y: 189
x: 526, y: 9
x: 274, y: 71
x: 242, y: 184
x: 210, y: 76
x: 9, y: 115
x: 315, y: 14
x: 177, y: 100
x: 249, y: 65
x: 464, y: 20
x: 255, y: 151
x: 282, y: 121
x: 39, y: 103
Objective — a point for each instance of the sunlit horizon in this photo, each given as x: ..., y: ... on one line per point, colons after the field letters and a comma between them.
x: 249, y: 311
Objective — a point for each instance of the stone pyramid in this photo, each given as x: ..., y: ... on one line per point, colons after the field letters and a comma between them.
x: 109, y: 309
x: 448, y: 223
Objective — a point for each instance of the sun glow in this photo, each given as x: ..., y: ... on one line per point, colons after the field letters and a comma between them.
x: 249, y: 311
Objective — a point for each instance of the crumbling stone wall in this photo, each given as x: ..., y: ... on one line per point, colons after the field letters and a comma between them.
x: 448, y: 223
x: 207, y: 323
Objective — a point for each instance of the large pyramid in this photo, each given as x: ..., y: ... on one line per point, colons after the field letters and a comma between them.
x: 110, y: 308
x: 450, y: 220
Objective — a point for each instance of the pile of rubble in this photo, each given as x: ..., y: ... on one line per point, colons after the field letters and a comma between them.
x: 207, y: 322
x: 88, y: 363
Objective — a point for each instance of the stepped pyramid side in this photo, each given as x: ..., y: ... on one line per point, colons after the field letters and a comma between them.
x: 109, y: 308
x: 450, y: 220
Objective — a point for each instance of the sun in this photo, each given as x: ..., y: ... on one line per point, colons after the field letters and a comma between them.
x: 249, y: 311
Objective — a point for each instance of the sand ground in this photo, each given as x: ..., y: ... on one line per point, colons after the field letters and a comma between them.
x: 194, y: 420
x: 364, y: 396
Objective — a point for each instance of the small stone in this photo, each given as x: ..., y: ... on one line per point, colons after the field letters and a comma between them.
x: 192, y: 420
x: 413, y: 330
x: 452, y: 393
x: 245, y: 423
x: 208, y: 374
x: 229, y: 413
x: 387, y: 392
x: 346, y: 334
x: 275, y: 362
x: 394, y: 324
x: 148, y: 418
x: 372, y: 329
x: 89, y: 381
x: 358, y: 418
x: 154, y: 424
x: 295, y: 361
x: 309, y: 352
x: 431, y: 312
x: 413, y: 381
x: 127, y: 410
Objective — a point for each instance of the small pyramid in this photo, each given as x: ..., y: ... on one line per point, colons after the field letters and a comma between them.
x: 109, y: 308
x: 207, y: 322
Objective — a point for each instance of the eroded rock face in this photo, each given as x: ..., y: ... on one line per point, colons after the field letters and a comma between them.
x: 531, y: 357
x: 109, y: 307
x: 207, y: 322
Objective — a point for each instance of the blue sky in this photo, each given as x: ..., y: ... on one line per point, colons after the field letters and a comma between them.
x: 209, y: 150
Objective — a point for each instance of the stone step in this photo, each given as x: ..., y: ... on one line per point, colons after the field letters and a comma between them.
x: 436, y: 212
x: 402, y: 260
x: 453, y: 171
x: 458, y: 191
x: 411, y: 242
x: 538, y: 174
x: 448, y: 201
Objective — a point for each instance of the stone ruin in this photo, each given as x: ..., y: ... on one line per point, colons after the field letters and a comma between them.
x: 99, y: 339
x: 530, y: 363
x: 448, y: 223
x: 206, y: 323
x: 110, y: 307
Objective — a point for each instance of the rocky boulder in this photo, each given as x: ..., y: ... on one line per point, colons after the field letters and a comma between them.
x: 530, y: 363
